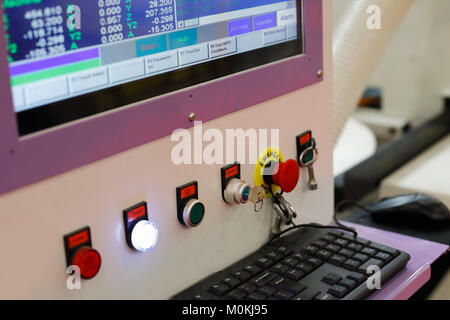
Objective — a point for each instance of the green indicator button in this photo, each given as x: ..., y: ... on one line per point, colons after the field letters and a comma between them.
x: 197, y: 213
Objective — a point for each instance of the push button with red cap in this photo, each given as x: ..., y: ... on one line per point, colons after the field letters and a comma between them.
x: 283, y: 174
x: 79, y: 252
x: 88, y: 260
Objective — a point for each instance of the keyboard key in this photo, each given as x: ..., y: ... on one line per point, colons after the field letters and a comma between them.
x: 264, y: 262
x: 351, y: 265
x: 319, y: 243
x: 325, y: 296
x: 291, y: 262
x: 369, y: 251
x: 310, y: 250
x: 294, y: 274
x: 299, y: 256
x: 275, y: 256
x: 307, y: 294
x: 338, y: 291
x: 279, y: 268
x: 355, y: 246
x: 385, y: 257
x: 231, y: 282
x: 306, y: 268
x: 323, y: 254
x: 219, y: 289
x: 262, y: 279
x: 314, y: 262
x: 341, y: 242
x: 247, y: 288
x: 336, y: 233
x: 349, y: 284
x: 358, y: 277
x: 337, y: 260
x: 379, y: 247
x: 253, y: 270
x: 346, y: 253
x: 281, y: 283
x: 331, y: 279
x: 360, y: 257
x: 202, y: 296
x: 256, y: 296
x: 328, y: 238
x: 348, y: 236
x: 266, y: 291
x: 284, y: 251
x: 362, y: 241
x: 283, y: 295
x: 242, y: 275
x: 332, y: 247
x: 236, y: 295
x: 371, y: 262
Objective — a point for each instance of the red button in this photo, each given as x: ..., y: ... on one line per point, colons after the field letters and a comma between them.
x: 287, y: 175
x: 88, y: 260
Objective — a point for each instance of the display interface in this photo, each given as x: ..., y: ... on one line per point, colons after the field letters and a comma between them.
x: 69, y: 59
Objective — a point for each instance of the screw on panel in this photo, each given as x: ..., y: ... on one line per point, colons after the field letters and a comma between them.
x: 320, y: 73
x: 192, y: 117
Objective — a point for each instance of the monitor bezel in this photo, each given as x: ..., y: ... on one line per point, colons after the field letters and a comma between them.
x: 32, y: 158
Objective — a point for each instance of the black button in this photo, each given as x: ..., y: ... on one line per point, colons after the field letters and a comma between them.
x: 341, y: 242
x: 348, y: 236
x: 337, y: 260
x: 283, y: 295
x: 379, y: 247
x: 351, y: 265
x: 275, y: 256
x: 338, y: 291
x: 358, y: 277
x: 323, y: 254
x: 310, y: 250
x: 266, y: 291
x: 284, y: 251
x: 219, y: 289
x: 314, y: 261
x: 349, y: 284
x: 325, y: 296
x: 319, y: 243
x: 328, y: 238
x: 306, y: 268
x: 372, y: 262
x: 346, y: 253
x: 264, y: 262
x: 360, y: 257
x: 364, y: 242
x: 281, y: 283
x: 332, y: 247
x: 256, y: 296
x: 247, y: 288
x: 202, y: 296
x: 331, y: 279
x: 291, y: 262
x: 262, y: 279
x: 355, y: 247
x: 279, y: 268
x: 383, y: 257
x: 236, y: 295
x: 369, y: 251
x: 242, y: 275
x: 307, y: 294
x: 253, y: 270
x: 294, y: 274
x: 299, y: 256
x: 231, y: 282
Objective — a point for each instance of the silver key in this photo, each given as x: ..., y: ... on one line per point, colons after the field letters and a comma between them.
x: 256, y: 197
x: 312, y: 182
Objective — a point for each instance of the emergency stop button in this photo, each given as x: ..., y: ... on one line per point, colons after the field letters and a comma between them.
x: 283, y: 174
x: 79, y: 252
x: 88, y: 260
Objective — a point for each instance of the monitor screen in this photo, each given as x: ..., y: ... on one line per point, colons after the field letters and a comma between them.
x: 70, y: 59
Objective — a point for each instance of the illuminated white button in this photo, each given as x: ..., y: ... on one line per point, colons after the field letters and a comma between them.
x: 144, y: 236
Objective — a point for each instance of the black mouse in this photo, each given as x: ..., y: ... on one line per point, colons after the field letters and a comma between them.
x: 416, y: 209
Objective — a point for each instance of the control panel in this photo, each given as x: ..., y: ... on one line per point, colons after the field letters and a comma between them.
x: 129, y: 197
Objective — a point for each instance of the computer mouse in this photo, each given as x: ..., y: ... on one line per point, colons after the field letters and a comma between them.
x: 416, y: 209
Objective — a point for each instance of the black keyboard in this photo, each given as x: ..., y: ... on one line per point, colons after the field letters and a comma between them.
x: 308, y: 264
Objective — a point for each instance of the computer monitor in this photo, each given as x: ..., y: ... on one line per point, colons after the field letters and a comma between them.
x: 73, y: 59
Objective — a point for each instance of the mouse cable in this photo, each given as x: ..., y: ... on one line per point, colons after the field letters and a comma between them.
x: 339, y: 226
